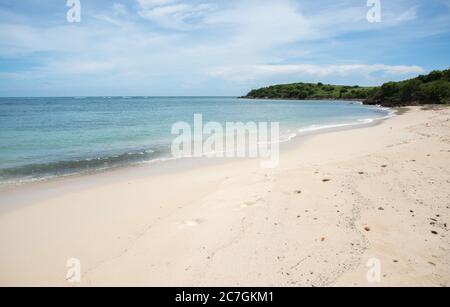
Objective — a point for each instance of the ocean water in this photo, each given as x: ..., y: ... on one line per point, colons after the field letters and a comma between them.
x: 47, y: 137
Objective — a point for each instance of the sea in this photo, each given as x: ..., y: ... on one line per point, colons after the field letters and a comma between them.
x: 42, y: 138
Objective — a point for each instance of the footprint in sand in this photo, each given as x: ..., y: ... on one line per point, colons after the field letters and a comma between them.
x: 192, y: 223
x: 248, y: 204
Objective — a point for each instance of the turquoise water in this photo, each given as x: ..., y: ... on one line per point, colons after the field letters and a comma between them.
x: 46, y: 137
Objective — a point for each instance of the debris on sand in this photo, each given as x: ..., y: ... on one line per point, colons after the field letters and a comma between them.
x: 367, y: 228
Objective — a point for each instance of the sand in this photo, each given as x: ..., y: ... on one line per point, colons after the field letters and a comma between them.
x: 338, y: 200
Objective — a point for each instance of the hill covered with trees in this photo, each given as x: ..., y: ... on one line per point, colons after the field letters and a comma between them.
x: 433, y: 88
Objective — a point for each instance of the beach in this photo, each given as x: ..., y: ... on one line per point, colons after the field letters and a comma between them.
x: 338, y: 201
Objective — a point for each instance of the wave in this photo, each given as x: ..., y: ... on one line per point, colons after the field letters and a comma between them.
x: 359, y: 122
x: 42, y: 171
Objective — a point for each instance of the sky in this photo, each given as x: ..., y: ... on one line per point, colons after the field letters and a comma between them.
x: 214, y: 47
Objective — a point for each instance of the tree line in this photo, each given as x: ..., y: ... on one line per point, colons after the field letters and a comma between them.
x: 433, y: 88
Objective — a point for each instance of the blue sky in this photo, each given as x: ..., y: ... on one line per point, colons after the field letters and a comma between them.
x: 214, y: 47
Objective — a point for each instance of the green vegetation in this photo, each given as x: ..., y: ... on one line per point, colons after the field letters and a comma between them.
x: 433, y: 88
x: 310, y: 91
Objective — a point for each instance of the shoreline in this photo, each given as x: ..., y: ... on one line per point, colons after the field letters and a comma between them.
x: 301, y: 224
x: 164, y: 160
x: 145, y: 169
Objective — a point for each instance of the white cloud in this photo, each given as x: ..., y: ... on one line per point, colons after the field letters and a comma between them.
x: 120, y: 9
x: 81, y: 67
x: 410, y: 14
x: 149, y: 4
x: 264, y: 23
x: 255, y: 72
x: 234, y: 41
x: 174, y: 14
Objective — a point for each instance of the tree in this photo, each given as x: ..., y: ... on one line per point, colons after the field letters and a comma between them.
x: 389, y: 90
x: 433, y: 76
x: 437, y: 92
x: 410, y: 91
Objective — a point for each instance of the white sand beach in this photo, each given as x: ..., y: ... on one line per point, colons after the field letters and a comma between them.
x: 337, y: 200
